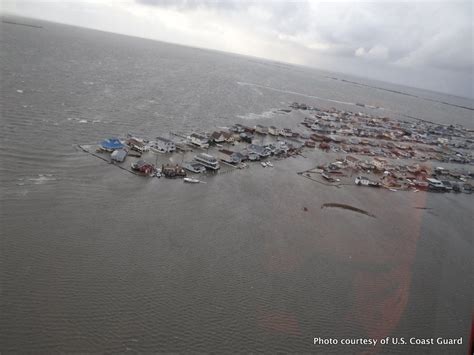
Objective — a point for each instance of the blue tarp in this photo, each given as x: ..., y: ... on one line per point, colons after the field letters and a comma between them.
x: 111, y: 144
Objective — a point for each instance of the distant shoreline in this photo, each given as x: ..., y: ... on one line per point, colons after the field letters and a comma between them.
x: 21, y: 24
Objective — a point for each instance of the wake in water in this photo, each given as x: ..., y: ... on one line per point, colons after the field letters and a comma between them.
x: 40, y: 179
x: 254, y: 116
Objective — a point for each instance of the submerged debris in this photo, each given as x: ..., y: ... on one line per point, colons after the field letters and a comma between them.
x: 347, y: 207
x: 173, y: 171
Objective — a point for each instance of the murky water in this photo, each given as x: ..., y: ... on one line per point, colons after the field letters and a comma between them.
x: 95, y: 259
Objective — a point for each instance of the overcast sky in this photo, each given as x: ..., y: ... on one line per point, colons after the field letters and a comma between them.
x: 426, y: 44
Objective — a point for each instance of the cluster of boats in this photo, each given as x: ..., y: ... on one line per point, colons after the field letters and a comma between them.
x: 201, y: 163
x: 330, y: 130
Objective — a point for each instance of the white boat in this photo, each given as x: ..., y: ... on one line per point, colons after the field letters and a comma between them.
x: 269, y: 164
x: 199, y: 140
x: 208, y: 161
x: 191, y: 180
x: 156, y: 149
x: 194, y: 167
x: 264, y: 164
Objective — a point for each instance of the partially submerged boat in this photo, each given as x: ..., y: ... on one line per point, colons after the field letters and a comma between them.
x: 173, y: 171
x: 191, y: 180
x: 328, y: 177
x: 143, y: 167
x: 194, y: 167
x: 253, y: 157
x: 364, y: 181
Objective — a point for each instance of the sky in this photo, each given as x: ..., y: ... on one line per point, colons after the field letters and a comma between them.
x: 425, y: 44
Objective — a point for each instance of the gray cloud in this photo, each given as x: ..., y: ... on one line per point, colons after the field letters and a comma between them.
x: 192, y: 4
x: 437, y: 34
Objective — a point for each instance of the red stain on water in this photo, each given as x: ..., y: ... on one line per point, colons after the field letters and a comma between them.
x: 282, y: 261
x: 379, y: 298
x: 279, y: 322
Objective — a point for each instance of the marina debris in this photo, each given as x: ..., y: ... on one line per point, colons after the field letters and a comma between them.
x: 173, y: 171
x: 143, y: 167
x: 379, y: 151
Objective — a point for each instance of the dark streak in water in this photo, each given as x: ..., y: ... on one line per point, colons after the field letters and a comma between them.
x: 347, y: 207
x: 21, y: 24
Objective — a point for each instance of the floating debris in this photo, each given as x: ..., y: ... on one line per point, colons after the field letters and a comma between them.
x: 143, y: 167
x: 173, y: 171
